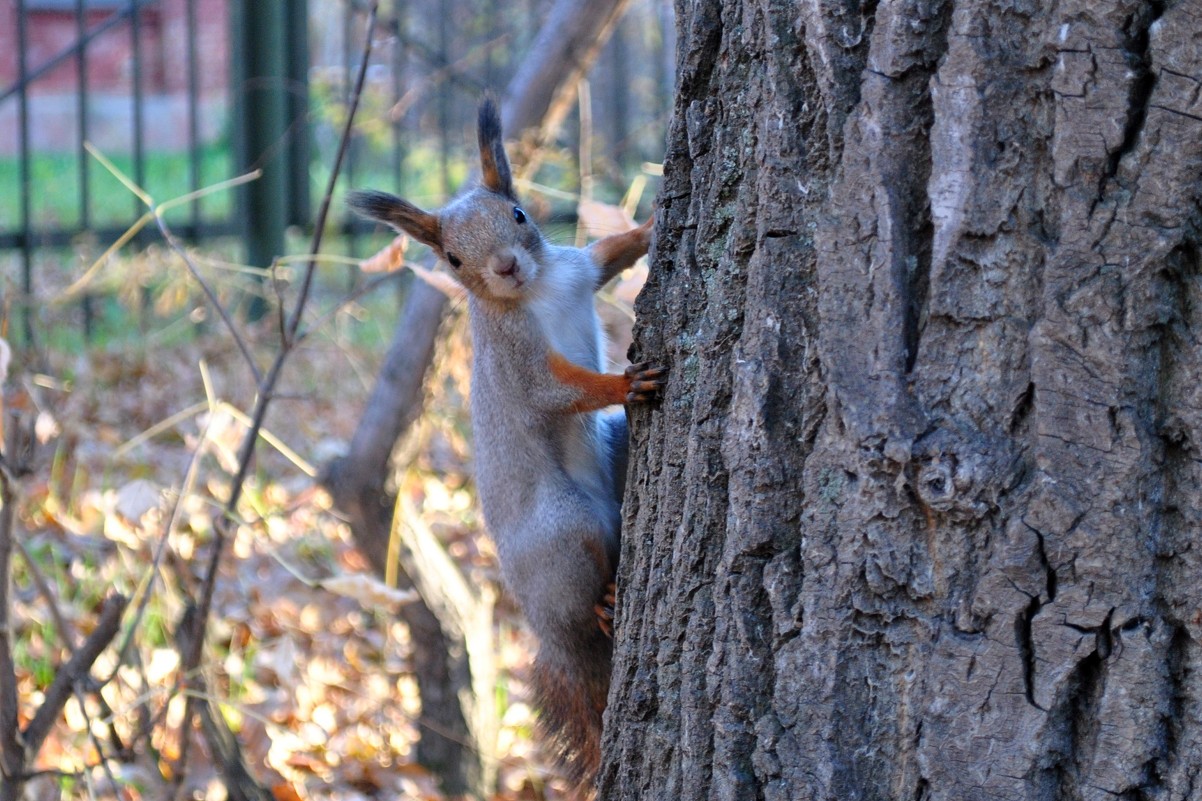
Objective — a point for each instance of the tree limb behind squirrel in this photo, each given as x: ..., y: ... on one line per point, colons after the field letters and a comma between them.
x: 550, y: 467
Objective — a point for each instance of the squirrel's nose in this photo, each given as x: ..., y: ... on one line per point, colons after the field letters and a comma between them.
x: 506, y: 266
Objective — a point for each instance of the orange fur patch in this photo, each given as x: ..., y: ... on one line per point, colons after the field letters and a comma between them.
x: 618, y: 252
x: 597, y: 390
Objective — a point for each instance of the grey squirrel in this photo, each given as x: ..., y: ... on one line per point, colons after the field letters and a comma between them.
x: 550, y: 466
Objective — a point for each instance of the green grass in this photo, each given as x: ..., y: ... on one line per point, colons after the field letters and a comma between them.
x: 55, y: 197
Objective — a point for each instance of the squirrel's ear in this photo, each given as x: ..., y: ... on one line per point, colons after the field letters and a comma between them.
x: 400, y: 214
x: 493, y: 162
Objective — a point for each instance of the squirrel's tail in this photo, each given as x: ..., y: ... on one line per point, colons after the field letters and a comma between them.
x: 571, y: 685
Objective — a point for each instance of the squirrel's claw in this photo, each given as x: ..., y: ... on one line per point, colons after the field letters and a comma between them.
x: 646, y: 382
x: 605, y: 610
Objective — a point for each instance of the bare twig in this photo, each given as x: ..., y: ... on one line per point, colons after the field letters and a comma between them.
x: 147, y: 585
x: 156, y: 211
x: 363, y: 290
x: 19, y: 749
x: 209, y: 293
x: 12, y: 752
x: 55, y: 774
x: 74, y: 671
x: 66, y: 630
x: 105, y: 758
x: 444, y: 73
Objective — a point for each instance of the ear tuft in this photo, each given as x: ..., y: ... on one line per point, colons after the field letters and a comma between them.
x: 494, y: 164
x: 400, y: 214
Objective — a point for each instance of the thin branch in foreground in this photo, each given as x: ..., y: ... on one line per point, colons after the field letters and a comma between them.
x: 12, y: 751
x: 96, y: 743
x: 76, y: 670
x: 210, y: 294
x: 146, y: 586
x: 67, y: 634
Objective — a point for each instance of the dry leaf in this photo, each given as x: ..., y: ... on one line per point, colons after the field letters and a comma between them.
x: 45, y: 428
x: 279, y: 662
x: 443, y: 283
x: 285, y: 792
x: 388, y: 260
x: 368, y: 591
x: 602, y: 219
x: 137, y: 498
x: 6, y: 357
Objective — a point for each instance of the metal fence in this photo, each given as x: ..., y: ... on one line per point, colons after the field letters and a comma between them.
x: 182, y: 94
x: 180, y: 87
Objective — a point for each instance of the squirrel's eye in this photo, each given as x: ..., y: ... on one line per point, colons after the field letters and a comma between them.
x: 454, y: 260
x: 519, y: 215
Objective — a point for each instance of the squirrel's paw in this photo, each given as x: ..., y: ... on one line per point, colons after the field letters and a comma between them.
x: 646, y: 382
x: 605, y: 610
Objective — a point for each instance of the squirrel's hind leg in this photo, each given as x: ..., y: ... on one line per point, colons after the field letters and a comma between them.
x: 562, y: 572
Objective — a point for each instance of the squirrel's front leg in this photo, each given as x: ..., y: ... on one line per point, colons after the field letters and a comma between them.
x: 638, y: 384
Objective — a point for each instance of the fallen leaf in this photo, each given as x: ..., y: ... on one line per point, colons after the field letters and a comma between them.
x: 45, y: 428
x: 440, y: 281
x: 368, y: 591
x: 137, y: 498
x: 285, y: 792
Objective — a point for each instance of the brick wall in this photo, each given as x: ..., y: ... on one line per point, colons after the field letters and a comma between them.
x: 52, y: 27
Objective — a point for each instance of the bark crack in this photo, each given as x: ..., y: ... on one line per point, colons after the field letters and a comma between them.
x: 1074, y: 720
x: 1026, y: 647
x: 1139, y: 60
x: 919, y: 284
x: 1026, y: 618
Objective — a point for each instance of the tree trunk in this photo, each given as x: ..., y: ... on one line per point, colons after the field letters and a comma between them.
x: 915, y: 519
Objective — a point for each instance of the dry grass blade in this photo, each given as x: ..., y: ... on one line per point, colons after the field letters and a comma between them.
x: 156, y: 214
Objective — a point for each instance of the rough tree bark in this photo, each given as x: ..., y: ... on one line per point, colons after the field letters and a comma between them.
x: 916, y: 518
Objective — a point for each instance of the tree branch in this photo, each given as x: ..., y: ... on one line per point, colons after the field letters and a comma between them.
x: 74, y: 671
x: 12, y: 753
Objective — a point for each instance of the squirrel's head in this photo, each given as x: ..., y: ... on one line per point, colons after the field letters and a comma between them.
x: 491, y: 245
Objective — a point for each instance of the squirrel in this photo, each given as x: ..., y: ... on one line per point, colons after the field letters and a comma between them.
x: 550, y: 465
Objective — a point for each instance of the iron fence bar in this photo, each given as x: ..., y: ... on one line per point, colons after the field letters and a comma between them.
x: 26, y: 180
x: 85, y: 184
x: 348, y: 168
x: 262, y: 127
x: 194, y: 177
x: 62, y: 238
x: 61, y: 57
x: 28, y: 236
x: 299, y: 132
x: 135, y: 40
